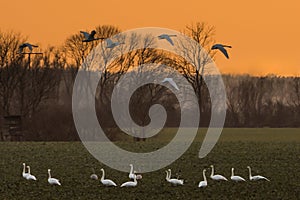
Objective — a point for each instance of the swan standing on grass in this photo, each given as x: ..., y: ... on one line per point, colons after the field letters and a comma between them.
x: 24, y: 45
x: 110, y: 44
x: 30, y: 176
x: 94, y: 175
x: 221, y: 47
x: 131, y: 174
x: 236, y: 178
x: 24, y: 174
x: 173, y: 181
x: 167, y: 37
x: 89, y: 37
x: 107, y: 182
x: 52, y: 181
x: 216, y: 177
x: 204, y: 182
x: 130, y: 183
x: 172, y: 82
x: 257, y: 177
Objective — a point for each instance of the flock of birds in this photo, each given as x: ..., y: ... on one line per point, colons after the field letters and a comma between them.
x: 133, y: 176
x: 90, y: 37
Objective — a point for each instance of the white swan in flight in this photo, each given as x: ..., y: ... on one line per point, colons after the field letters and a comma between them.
x: 30, y: 176
x: 172, y: 82
x: 24, y: 174
x: 222, y: 47
x: 52, y: 181
x: 94, y: 175
x: 257, y: 177
x: 89, y: 37
x: 236, y: 178
x: 167, y: 37
x: 130, y: 183
x: 107, y: 182
x: 204, y: 182
x: 110, y: 44
x: 216, y: 177
x: 173, y: 181
x: 28, y: 45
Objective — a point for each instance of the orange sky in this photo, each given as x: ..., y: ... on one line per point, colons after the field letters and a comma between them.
x: 264, y: 34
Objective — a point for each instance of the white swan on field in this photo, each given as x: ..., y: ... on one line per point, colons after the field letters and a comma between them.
x: 30, y: 176
x: 94, y: 175
x: 173, y: 181
x: 172, y: 82
x: 131, y: 174
x: 236, y: 178
x: 28, y: 45
x: 89, y: 37
x: 257, y: 177
x: 106, y: 182
x: 130, y: 183
x: 221, y: 47
x: 216, y: 177
x: 24, y: 174
x: 52, y: 181
x: 204, y: 182
x: 167, y: 37
x: 110, y: 44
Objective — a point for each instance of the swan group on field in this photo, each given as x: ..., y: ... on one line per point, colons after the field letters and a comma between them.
x: 133, y: 176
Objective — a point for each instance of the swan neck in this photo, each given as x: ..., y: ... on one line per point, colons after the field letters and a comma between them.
x: 23, y: 169
x: 169, y: 174
x: 250, y: 175
x: 167, y: 177
x: 212, y: 171
x: 131, y: 169
x: 204, y: 177
x: 103, y: 174
x: 49, y: 174
x: 28, y: 170
x: 232, y: 173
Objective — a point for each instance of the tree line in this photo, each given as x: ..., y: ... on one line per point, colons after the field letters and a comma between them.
x: 40, y: 88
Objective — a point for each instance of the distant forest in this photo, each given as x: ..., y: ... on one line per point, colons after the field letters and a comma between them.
x: 40, y: 89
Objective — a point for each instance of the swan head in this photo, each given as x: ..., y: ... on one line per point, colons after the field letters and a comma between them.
x: 49, y: 170
x: 93, y: 32
x: 23, y: 164
x: 169, y: 170
x: 130, y: 165
x: 248, y: 167
x: 28, y: 167
x: 211, y: 166
x: 102, y: 169
x: 204, y: 170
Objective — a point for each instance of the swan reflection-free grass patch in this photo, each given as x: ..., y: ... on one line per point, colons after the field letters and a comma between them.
x: 71, y: 164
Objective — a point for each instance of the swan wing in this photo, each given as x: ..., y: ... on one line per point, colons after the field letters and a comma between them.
x: 169, y: 40
x: 172, y: 82
x: 258, y: 177
x: 237, y: 178
x: 85, y: 34
x: 109, y: 43
x: 202, y: 184
x: 31, y: 177
x: 108, y: 182
x: 219, y: 178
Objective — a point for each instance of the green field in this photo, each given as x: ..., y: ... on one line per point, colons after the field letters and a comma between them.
x: 274, y: 153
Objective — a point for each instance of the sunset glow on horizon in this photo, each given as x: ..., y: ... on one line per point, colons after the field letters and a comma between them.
x: 264, y: 35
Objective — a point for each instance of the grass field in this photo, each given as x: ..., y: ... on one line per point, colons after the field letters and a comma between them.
x: 274, y: 153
